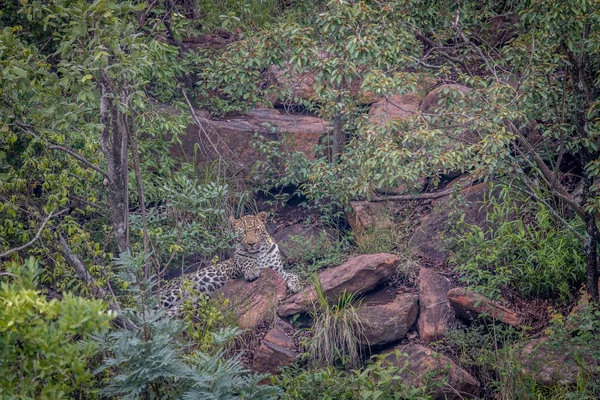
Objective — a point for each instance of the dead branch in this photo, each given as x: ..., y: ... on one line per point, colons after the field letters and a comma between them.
x: 37, y: 235
x: 421, y: 196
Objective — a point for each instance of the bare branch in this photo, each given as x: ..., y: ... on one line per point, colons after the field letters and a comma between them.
x: 422, y: 196
x: 37, y: 235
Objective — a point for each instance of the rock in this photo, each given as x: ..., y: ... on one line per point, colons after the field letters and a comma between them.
x: 366, y: 216
x: 231, y: 139
x: 431, y: 102
x: 549, y: 366
x: 502, y: 29
x: 469, y: 305
x: 276, y: 350
x: 388, y: 320
x: 357, y: 275
x: 253, y: 302
x: 427, y: 240
x: 419, y: 365
x: 300, y: 86
x: 395, y: 107
x: 311, y: 237
x: 436, y: 315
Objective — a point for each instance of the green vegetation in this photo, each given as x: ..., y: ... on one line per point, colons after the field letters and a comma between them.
x: 100, y: 99
x: 525, y: 248
x: 45, y: 345
x: 378, y: 380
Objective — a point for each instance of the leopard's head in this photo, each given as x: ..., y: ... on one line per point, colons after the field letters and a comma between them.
x: 251, y: 231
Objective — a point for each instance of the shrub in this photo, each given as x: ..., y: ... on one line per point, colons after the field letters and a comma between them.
x: 45, y: 344
x: 525, y: 248
x: 322, y: 253
x: 379, y: 380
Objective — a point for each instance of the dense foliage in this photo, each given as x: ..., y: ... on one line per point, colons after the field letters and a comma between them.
x: 97, y: 207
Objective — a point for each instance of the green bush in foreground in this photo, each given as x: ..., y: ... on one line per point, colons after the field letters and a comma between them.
x: 45, y: 344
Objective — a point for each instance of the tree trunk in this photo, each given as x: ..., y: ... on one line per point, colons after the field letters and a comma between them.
x: 114, y: 146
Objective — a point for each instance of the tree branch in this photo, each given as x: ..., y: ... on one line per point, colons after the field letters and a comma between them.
x: 422, y: 196
x: 37, y: 235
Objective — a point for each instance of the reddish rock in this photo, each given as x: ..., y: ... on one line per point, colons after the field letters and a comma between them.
x: 299, y: 238
x: 436, y: 315
x: 469, y: 304
x: 431, y: 102
x: 253, y: 302
x: 232, y: 139
x: 428, y: 238
x: 395, y: 107
x: 388, y: 321
x: 549, y: 366
x: 419, y: 365
x: 297, y: 86
x: 357, y: 275
x: 366, y: 215
x: 276, y: 350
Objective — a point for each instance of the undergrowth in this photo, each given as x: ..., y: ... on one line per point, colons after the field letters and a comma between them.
x: 524, y: 248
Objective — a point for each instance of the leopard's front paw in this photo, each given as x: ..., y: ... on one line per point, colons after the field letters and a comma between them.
x: 251, y: 274
x: 294, y: 284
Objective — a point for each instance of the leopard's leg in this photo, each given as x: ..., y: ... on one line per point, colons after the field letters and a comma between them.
x: 250, y: 270
x: 274, y: 261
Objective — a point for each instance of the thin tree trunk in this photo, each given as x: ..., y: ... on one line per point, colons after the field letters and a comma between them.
x: 339, y: 138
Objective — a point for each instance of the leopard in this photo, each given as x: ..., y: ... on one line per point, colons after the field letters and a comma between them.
x: 255, y: 250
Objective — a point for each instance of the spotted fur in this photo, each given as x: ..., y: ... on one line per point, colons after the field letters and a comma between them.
x: 255, y: 249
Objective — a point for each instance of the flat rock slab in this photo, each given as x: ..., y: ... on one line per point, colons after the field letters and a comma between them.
x: 357, y: 275
x: 419, y: 365
x: 549, y: 366
x: 389, y: 321
x: 276, y: 350
x: 436, y: 315
x: 253, y: 302
x: 470, y: 305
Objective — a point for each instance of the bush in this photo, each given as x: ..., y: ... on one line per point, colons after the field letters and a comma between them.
x: 525, y: 248
x: 379, y: 380
x: 45, y: 344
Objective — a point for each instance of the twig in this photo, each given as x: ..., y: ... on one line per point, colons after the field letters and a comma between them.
x: 37, y: 235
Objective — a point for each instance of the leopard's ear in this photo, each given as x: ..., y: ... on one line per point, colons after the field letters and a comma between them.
x: 262, y: 216
x: 233, y: 221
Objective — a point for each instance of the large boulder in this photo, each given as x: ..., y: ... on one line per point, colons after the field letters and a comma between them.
x: 253, y: 302
x: 388, y: 320
x: 428, y: 239
x: 297, y: 86
x: 420, y: 365
x: 231, y: 139
x: 395, y: 107
x: 277, y: 349
x: 550, y: 366
x: 470, y: 305
x: 436, y: 316
x: 357, y: 275
x: 298, y: 239
x: 366, y: 215
x: 434, y: 100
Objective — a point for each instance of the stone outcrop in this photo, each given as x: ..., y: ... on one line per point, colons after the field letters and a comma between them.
x: 388, y: 320
x: 301, y: 239
x: 367, y: 215
x: 276, y: 350
x: 357, y: 275
x: 427, y: 240
x: 419, y: 365
x: 232, y: 138
x: 395, y: 107
x: 549, y: 366
x: 436, y: 316
x: 253, y: 302
x: 434, y: 99
x: 470, y: 305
